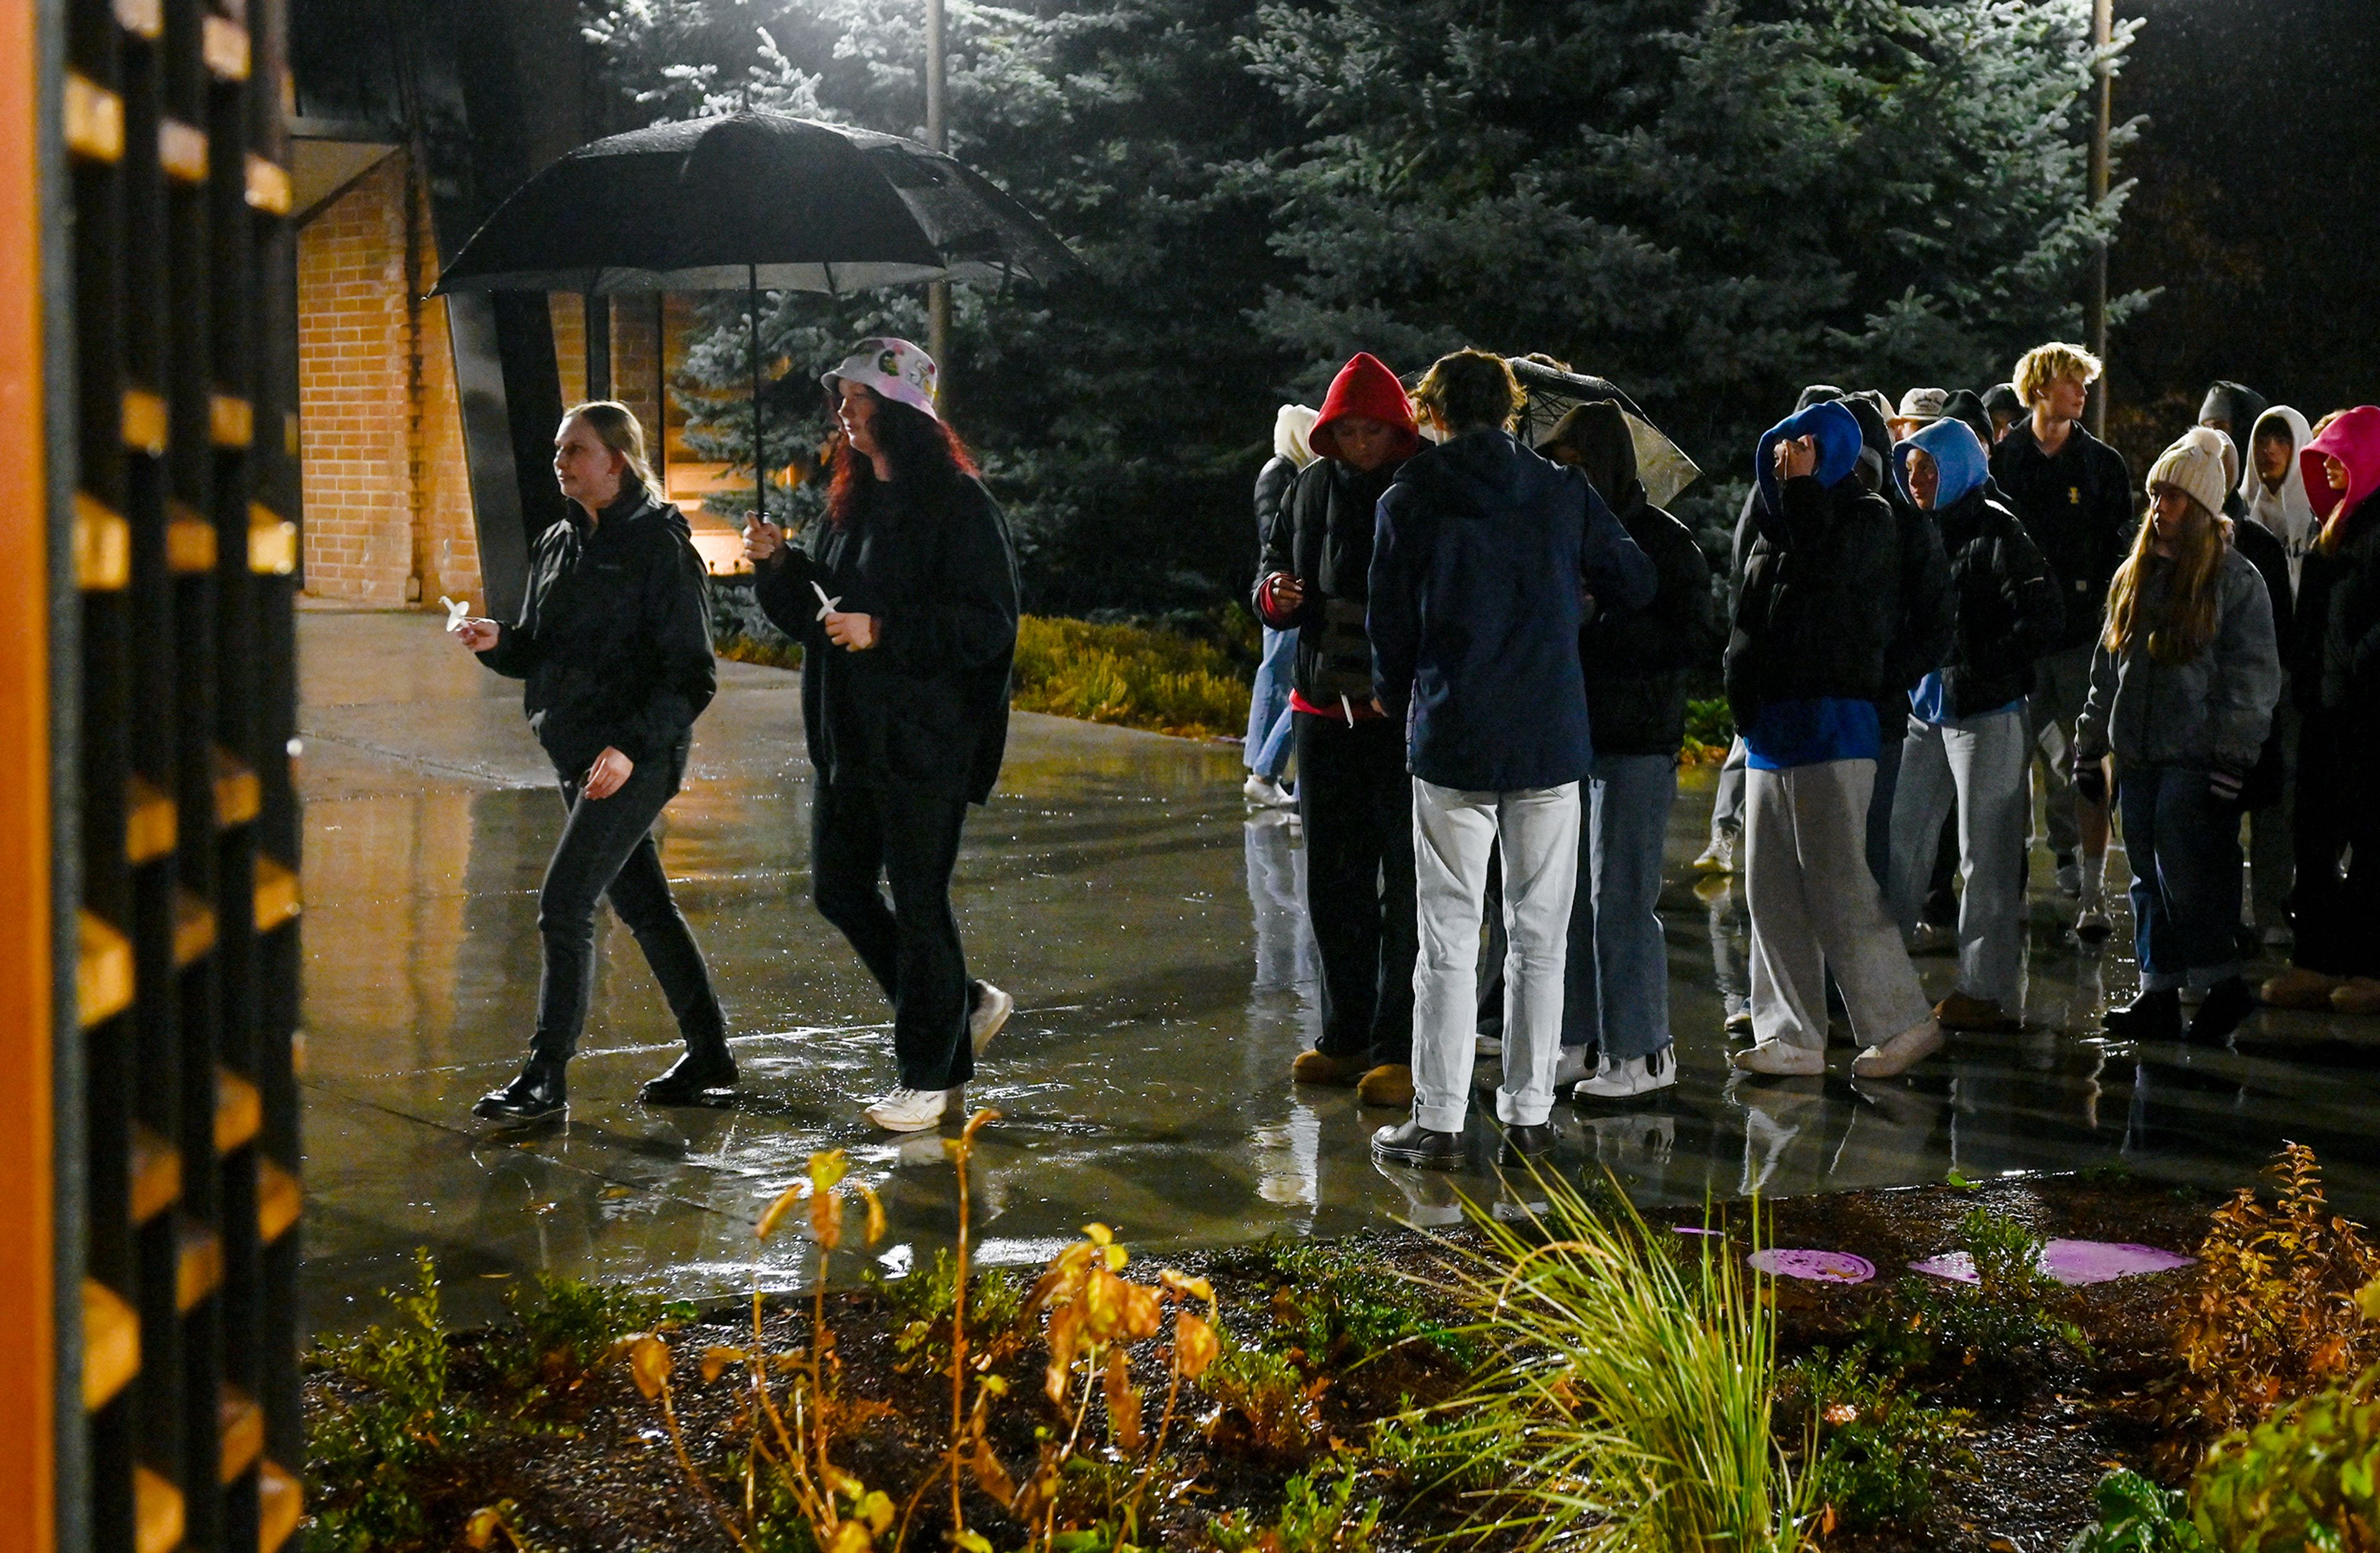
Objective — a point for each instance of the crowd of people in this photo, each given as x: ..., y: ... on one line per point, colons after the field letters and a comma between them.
x: 1478, y: 655
x: 1942, y: 618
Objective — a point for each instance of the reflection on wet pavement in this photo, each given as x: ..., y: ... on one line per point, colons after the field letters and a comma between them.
x: 1164, y: 974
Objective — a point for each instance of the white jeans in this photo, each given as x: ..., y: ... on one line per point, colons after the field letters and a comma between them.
x: 1814, y: 908
x: 1452, y: 833
x: 1977, y: 767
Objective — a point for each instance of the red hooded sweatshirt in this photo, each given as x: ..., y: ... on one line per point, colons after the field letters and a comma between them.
x: 1364, y: 387
x: 2354, y: 440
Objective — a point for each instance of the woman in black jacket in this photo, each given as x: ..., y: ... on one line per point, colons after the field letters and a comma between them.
x: 905, y: 607
x: 613, y: 640
x: 1965, y: 741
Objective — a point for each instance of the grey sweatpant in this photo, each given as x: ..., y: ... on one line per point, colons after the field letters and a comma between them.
x: 1977, y: 768
x: 1816, y: 907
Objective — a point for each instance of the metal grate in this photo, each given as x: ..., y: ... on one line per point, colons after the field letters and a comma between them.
x: 185, y: 375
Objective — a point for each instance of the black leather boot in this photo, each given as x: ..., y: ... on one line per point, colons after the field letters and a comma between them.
x: 1409, y: 1143
x: 2153, y: 1016
x: 536, y: 1094
x: 2229, y: 1001
x: 1522, y: 1143
x: 706, y: 1065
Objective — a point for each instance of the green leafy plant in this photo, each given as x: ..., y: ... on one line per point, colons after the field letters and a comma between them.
x: 386, y: 1443
x: 568, y: 1327
x: 2136, y: 1516
x: 926, y: 1296
x: 1342, y: 1308
x: 1644, y: 1381
x: 1311, y: 1521
x: 2307, y: 1478
x: 1262, y: 1400
x: 1710, y: 727
x: 2013, y: 1312
x: 2275, y: 1313
x: 1431, y: 1453
x: 1880, y: 1450
x: 1132, y: 675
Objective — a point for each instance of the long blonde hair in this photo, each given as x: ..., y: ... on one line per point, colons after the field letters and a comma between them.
x: 2185, y: 624
x: 617, y: 428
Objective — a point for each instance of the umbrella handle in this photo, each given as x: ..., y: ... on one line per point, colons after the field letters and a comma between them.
x: 760, y: 470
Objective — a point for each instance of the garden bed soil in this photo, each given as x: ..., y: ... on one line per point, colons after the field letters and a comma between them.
x: 599, y: 1471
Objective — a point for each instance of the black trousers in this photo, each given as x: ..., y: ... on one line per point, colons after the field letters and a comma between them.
x: 910, y: 840
x: 2338, y: 820
x: 607, y: 850
x: 1357, y: 804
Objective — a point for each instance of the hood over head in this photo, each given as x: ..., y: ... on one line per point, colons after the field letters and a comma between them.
x: 1292, y: 426
x: 1365, y: 387
x: 2235, y: 405
x: 2193, y: 465
x: 1876, y: 436
x: 1482, y: 471
x: 1598, y: 433
x: 2354, y: 440
x: 1818, y: 393
x: 1831, y: 427
x: 1964, y: 404
x: 2001, y: 399
x: 1956, y: 452
x: 2291, y: 496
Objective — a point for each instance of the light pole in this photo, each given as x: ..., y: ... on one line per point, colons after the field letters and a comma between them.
x: 2102, y: 23
x: 938, y: 293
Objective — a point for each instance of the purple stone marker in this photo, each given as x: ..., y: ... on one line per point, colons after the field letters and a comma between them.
x: 2072, y: 1263
x: 1817, y: 1266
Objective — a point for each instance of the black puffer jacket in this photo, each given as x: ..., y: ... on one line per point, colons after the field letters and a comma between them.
x: 1637, y: 660
x: 1274, y: 483
x: 1323, y: 538
x: 2007, y: 603
x: 1818, y: 604
x: 614, y: 637
x: 2345, y: 646
x: 2271, y: 559
x: 2077, y: 506
x: 926, y: 709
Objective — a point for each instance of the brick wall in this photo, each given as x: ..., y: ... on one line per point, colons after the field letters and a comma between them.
x: 387, y: 495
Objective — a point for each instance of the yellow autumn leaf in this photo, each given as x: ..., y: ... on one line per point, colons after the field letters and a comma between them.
x: 828, y: 1166
x: 1194, y: 1345
x: 877, y: 1511
x: 1097, y: 1234
x: 716, y: 1360
x: 875, y: 1229
x: 778, y: 1209
x: 2367, y: 1299
x: 480, y: 1530
x: 851, y: 1536
x: 648, y: 1362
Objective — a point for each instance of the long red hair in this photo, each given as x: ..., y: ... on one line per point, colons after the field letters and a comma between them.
x: 924, y: 452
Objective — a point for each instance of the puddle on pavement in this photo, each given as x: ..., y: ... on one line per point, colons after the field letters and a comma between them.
x: 1151, y: 932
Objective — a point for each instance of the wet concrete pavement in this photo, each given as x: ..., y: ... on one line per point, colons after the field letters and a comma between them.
x: 1151, y: 933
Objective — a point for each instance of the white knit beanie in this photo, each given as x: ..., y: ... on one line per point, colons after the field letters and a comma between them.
x: 2193, y: 466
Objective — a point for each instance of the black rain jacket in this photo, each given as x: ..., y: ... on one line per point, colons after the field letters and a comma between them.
x: 1323, y: 537
x: 926, y: 709
x: 2077, y: 506
x: 1818, y: 604
x: 614, y: 637
x: 2008, y: 611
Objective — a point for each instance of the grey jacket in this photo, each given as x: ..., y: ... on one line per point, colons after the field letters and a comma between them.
x: 2209, y: 713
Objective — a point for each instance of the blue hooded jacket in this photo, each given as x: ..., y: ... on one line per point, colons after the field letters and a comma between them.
x: 1956, y: 453
x: 1481, y: 555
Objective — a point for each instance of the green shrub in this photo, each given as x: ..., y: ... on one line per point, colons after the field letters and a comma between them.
x: 1128, y: 675
x: 1880, y: 1451
x: 1447, y: 1451
x: 1644, y: 1380
x: 923, y: 1298
x: 768, y: 654
x: 1710, y: 725
x: 2308, y: 1477
x: 2136, y: 1516
x: 1263, y: 1398
x: 1342, y: 1308
x: 1311, y: 1521
x: 568, y: 1327
x: 2009, y: 1313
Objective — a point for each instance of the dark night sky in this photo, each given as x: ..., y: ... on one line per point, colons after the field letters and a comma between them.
x: 2258, y: 206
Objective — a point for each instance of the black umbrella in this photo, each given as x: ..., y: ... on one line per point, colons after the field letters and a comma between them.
x: 750, y: 202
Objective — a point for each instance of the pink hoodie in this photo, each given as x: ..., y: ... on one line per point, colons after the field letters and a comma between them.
x: 2354, y: 440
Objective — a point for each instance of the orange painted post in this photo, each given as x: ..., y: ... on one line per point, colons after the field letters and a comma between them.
x: 28, y: 1380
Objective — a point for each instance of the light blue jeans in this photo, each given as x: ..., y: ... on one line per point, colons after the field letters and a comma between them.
x: 1268, y: 748
x: 1616, y: 977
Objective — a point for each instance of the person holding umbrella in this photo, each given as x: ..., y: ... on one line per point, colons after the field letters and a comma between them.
x: 613, y: 643
x: 905, y: 606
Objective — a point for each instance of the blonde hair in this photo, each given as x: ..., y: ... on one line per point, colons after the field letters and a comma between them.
x: 2045, y: 364
x: 617, y: 428
x: 1468, y: 388
x: 2187, y: 621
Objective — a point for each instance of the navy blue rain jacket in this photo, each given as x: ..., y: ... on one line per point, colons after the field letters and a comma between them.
x: 1479, y: 560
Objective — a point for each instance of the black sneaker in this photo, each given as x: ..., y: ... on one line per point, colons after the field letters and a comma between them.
x: 1523, y: 1145
x: 536, y: 1094
x: 1409, y: 1143
x: 693, y: 1074
x: 2153, y: 1016
x: 2229, y: 1001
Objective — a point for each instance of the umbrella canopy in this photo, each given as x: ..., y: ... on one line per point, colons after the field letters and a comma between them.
x: 1552, y: 394
x: 754, y: 201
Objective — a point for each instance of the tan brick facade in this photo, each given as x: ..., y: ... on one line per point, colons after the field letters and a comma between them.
x: 387, y: 493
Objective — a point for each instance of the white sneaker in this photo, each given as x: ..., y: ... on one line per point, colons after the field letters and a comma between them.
x: 1573, y: 1064
x: 1781, y: 1057
x: 1263, y: 792
x: 913, y: 1110
x: 2090, y: 923
x: 1897, y: 1055
x: 2070, y: 878
x: 1717, y: 858
x: 991, y: 1010
x: 1621, y: 1078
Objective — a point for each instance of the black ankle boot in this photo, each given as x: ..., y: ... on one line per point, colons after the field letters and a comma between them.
x: 2229, y: 1001
x: 537, y: 1093
x: 2153, y: 1016
x: 706, y: 1065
